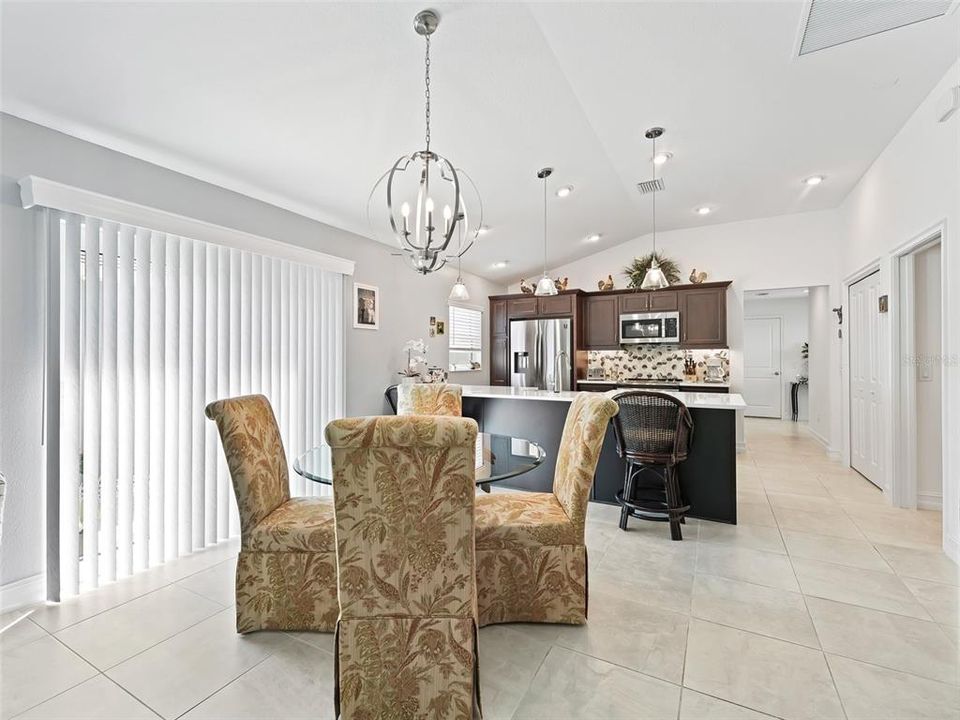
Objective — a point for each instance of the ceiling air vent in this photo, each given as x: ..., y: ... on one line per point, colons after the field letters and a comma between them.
x: 834, y: 22
x: 649, y: 186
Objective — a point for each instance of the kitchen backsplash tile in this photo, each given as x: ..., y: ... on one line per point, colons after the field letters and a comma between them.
x: 637, y: 361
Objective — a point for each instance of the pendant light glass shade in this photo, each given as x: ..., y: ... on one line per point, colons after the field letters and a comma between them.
x: 459, y: 291
x: 546, y: 285
x: 654, y: 279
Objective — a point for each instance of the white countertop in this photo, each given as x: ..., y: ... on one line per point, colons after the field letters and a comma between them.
x: 705, y: 401
x: 685, y: 383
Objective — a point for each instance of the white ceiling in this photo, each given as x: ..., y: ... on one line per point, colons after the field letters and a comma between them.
x: 306, y: 104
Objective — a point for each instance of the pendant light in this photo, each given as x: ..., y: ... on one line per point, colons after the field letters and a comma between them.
x: 425, y: 197
x: 459, y: 290
x: 546, y: 286
x: 654, y: 279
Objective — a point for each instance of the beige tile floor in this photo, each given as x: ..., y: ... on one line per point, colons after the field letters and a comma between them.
x: 824, y: 602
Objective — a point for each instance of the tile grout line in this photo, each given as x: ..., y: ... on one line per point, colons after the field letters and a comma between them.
x: 159, y: 642
x: 79, y: 598
x: 122, y: 688
x: 229, y: 682
x: 75, y: 685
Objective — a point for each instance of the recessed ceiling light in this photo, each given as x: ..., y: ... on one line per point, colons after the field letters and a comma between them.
x: 500, y: 264
x: 661, y: 158
x: 593, y: 237
x: 483, y: 230
x: 562, y: 192
x: 703, y: 210
x: 814, y: 180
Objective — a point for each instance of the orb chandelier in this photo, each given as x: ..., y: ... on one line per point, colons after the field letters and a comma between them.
x: 425, y: 197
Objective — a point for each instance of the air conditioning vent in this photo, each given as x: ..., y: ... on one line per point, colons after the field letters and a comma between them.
x: 834, y: 22
x: 649, y: 186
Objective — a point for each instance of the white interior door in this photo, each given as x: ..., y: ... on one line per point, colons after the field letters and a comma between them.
x: 761, y: 367
x: 865, y: 412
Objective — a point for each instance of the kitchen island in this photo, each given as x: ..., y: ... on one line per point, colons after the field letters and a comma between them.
x: 708, y: 478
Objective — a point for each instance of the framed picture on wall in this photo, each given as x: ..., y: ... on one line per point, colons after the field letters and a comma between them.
x: 366, y: 306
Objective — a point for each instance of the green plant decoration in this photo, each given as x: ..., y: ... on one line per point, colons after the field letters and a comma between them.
x: 636, y: 270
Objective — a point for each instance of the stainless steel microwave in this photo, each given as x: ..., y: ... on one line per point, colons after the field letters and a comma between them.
x: 652, y: 327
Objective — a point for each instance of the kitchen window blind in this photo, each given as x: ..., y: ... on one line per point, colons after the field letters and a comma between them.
x: 466, y: 337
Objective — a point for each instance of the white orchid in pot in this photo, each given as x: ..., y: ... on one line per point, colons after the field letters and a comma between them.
x: 416, y: 359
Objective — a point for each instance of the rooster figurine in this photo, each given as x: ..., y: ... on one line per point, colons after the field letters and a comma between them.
x: 561, y: 283
x: 605, y: 284
x: 525, y: 287
x: 697, y: 277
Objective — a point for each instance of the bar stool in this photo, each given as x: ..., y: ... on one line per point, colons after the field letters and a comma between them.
x: 653, y: 432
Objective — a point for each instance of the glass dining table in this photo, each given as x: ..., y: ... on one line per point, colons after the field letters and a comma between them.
x: 497, y: 457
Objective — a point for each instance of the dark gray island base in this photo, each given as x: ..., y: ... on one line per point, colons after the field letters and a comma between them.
x: 708, y: 478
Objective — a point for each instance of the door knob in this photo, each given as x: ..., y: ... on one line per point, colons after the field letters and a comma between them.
x: 776, y: 372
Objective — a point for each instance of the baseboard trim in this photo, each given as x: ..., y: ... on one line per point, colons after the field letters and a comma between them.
x: 831, y: 453
x: 929, y: 501
x: 19, y: 593
x: 951, y: 546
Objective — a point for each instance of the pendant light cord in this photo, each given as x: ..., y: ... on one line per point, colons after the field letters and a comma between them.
x: 426, y: 91
x: 544, y: 226
x: 654, y: 163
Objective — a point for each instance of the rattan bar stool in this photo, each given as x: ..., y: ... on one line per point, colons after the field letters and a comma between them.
x: 653, y: 431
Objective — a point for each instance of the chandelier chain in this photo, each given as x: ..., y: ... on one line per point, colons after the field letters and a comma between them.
x: 426, y: 91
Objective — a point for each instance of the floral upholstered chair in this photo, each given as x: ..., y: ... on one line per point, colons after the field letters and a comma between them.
x: 531, y: 556
x: 429, y: 399
x: 406, y: 641
x: 287, y: 568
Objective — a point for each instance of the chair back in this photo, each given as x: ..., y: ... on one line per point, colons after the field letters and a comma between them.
x: 580, y: 446
x: 429, y: 399
x: 255, y: 456
x: 652, y: 427
x: 403, y: 491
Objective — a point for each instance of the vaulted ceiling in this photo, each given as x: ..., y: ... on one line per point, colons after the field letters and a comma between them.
x: 306, y: 104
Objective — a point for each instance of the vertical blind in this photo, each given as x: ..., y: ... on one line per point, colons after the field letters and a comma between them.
x: 152, y: 327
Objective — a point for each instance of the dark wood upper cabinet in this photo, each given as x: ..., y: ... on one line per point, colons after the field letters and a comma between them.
x: 703, y: 317
x: 663, y: 300
x: 649, y: 301
x: 601, y: 322
x: 522, y: 307
x: 498, y: 317
x: 635, y: 302
x: 556, y: 305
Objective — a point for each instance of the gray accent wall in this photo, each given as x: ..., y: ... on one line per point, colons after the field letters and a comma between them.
x: 372, y: 358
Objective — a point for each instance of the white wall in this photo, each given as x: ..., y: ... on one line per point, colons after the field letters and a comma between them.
x: 913, y: 186
x: 928, y: 377
x: 784, y: 251
x: 372, y: 357
x: 794, y: 317
x: 822, y: 381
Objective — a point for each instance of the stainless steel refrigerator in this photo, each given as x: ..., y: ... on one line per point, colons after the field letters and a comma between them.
x: 539, y: 351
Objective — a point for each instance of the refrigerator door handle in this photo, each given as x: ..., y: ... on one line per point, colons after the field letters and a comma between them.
x: 541, y: 365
